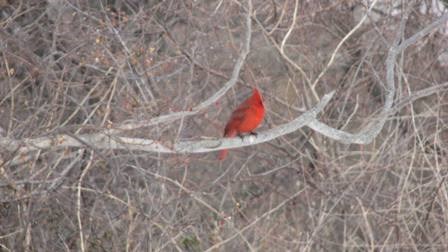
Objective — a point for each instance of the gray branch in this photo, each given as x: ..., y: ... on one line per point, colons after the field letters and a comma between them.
x: 367, y: 134
x: 211, y: 100
x: 105, y: 140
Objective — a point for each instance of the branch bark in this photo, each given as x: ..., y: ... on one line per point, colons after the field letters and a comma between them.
x: 109, y: 140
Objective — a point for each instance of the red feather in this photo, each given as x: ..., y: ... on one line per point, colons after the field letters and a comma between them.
x: 245, y: 118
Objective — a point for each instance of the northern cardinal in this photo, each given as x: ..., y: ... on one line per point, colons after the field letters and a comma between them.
x: 245, y: 118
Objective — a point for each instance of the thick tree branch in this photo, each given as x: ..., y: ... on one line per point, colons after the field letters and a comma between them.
x: 367, y: 134
x: 103, y: 141
x: 211, y: 100
x: 108, y: 141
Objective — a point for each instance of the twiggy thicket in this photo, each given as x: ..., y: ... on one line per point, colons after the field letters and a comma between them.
x: 110, y: 112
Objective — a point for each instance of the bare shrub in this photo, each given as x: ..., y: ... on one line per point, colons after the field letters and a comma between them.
x: 111, y: 113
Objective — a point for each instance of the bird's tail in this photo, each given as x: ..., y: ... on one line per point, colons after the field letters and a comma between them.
x: 223, y: 153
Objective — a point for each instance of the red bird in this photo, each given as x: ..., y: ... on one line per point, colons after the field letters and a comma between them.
x: 245, y: 118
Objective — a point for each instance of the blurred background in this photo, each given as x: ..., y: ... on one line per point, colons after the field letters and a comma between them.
x: 82, y: 66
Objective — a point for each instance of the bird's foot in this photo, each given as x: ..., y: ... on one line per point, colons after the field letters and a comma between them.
x: 252, y: 133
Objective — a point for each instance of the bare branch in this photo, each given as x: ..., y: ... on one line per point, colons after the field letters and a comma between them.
x: 347, y: 36
x: 212, y: 99
x: 103, y: 141
x: 367, y: 134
